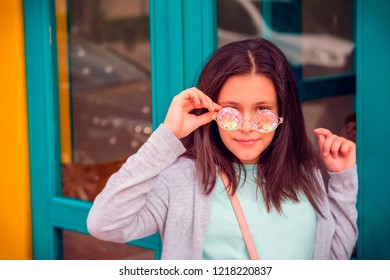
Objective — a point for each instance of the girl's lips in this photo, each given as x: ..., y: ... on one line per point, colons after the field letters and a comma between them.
x: 247, y: 142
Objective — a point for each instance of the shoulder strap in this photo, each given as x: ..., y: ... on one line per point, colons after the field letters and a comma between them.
x: 250, y: 245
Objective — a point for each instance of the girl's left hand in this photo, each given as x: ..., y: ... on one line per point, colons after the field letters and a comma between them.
x: 337, y: 152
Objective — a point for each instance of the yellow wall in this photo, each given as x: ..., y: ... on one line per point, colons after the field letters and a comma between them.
x: 63, y: 81
x: 15, y: 213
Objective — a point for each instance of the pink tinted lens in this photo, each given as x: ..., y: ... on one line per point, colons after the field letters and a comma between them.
x: 229, y: 119
x: 265, y: 121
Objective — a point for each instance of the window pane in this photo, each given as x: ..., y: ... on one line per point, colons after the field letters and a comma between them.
x: 78, y: 246
x: 314, y: 35
x: 104, y: 85
x: 327, y: 39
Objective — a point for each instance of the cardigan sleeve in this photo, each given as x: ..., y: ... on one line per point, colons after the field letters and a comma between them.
x: 342, y: 195
x: 128, y: 208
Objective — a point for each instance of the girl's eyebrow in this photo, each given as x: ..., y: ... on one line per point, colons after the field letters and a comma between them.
x: 257, y: 103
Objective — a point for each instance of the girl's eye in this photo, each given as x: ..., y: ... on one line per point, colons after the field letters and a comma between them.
x: 262, y: 108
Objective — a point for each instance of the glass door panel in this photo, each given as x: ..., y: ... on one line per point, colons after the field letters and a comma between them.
x: 105, y: 89
x: 316, y: 36
x: 103, y: 54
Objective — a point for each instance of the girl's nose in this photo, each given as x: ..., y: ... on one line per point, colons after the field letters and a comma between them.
x: 246, y: 125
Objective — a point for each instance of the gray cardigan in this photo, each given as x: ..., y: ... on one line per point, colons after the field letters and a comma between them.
x: 156, y: 191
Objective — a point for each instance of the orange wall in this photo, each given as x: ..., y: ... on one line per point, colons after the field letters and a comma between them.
x: 15, y: 212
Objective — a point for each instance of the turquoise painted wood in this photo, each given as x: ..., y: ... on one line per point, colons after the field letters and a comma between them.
x: 199, y: 37
x: 182, y: 38
x: 373, y: 132
x: 43, y: 125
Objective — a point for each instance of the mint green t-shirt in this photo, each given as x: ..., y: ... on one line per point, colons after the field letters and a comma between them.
x: 290, y: 235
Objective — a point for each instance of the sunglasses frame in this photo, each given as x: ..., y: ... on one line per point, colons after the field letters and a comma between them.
x: 239, y: 125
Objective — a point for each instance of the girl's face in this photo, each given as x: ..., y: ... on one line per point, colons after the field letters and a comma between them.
x: 247, y: 94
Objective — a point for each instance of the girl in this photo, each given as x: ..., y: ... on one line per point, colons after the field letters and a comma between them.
x: 241, y: 131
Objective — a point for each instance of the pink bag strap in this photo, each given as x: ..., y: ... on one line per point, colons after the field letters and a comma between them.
x: 250, y: 245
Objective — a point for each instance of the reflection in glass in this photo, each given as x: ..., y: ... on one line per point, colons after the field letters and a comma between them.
x: 78, y: 246
x: 329, y: 24
x: 104, y: 58
x: 314, y: 35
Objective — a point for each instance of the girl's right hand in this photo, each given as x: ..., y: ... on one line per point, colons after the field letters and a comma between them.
x: 179, y: 120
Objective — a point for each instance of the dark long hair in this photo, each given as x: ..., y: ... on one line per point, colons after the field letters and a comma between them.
x: 287, y: 167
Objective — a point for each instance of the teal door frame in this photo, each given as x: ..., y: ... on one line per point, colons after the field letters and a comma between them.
x: 181, y: 34
x: 373, y: 132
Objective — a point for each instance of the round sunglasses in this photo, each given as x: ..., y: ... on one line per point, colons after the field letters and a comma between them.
x: 263, y: 121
